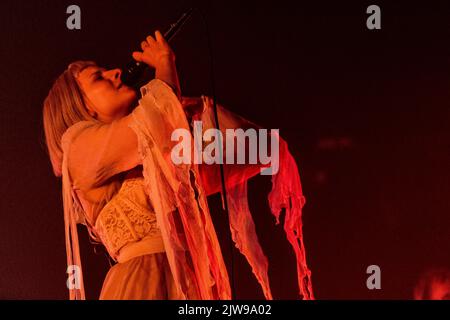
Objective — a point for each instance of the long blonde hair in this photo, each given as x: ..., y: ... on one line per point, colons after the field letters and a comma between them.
x: 64, y: 106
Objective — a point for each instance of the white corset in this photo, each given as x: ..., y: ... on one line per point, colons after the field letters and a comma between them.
x: 127, y: 223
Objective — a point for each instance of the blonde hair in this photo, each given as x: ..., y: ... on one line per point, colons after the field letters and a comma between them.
x: 64, y: 106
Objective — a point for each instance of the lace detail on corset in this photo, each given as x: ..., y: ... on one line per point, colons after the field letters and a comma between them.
x: 127, y: 217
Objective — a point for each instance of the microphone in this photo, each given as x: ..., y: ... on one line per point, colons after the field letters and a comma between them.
x: 133, y: 73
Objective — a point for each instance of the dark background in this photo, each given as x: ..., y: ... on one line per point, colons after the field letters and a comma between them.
x: 366, y: 113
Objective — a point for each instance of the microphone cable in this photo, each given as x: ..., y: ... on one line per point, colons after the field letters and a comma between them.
x: 216, y: 119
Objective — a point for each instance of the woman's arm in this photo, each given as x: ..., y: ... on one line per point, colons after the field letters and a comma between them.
x: 101, y: 151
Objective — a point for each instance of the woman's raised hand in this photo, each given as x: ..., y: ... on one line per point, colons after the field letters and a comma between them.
x: 155, y: 51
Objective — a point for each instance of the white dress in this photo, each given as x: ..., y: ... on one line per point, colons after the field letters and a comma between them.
x: 157, y: 226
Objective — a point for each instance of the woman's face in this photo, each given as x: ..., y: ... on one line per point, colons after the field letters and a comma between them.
x: 107, y: 98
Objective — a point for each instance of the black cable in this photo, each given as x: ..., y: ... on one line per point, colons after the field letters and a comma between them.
x: 222, y: 171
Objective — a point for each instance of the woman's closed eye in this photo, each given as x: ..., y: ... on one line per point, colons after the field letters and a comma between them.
x: 97, y: 75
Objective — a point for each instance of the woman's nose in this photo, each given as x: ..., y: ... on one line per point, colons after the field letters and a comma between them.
x: 117, y: 73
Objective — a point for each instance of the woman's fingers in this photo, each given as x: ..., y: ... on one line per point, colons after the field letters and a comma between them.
x: 137, y: 55
x: 154, y: 49
x: 150, y: 40
x: 144, y: 44
x: 159, y: 37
